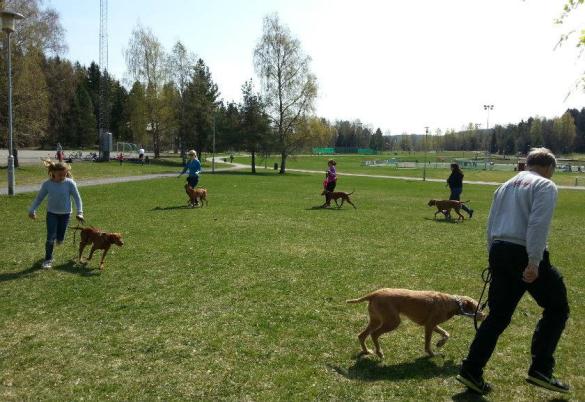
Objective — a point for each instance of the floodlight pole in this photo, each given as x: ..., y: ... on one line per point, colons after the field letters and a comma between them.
x: 487, y: 126
x: 425, y: 145
x: 8, y: 26
x: 213, y: 146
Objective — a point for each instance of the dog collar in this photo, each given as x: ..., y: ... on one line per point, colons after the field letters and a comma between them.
x: 461, y: 309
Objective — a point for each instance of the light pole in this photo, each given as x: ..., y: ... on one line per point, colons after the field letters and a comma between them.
x: 8, y: 22
x: 213, y: 146
x: 487, y: 108
x: 425, y: 145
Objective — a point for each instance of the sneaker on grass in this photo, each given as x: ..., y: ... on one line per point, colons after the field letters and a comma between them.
x: 47, y: 264
x: 477, y: 385
x: 550, y: 383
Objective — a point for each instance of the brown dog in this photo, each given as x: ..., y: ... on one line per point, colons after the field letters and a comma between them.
x: 99, y: 241
x: 445, y: 207
x: 426, y: 308
x: 335, y: 195
x: 196, y: 195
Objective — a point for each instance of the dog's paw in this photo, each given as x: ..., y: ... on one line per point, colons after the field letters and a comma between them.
x: 380, y: 354
x: 365, y: 353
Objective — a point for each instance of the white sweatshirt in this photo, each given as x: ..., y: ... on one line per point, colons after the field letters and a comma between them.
x: 521, y: 213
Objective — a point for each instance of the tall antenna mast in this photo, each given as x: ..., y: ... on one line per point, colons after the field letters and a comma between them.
x: 103, y: 88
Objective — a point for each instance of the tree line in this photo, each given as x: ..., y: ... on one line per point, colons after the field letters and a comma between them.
x: 562, y: 135
x: 171, y: 102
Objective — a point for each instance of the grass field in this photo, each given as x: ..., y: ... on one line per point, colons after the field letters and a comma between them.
x: 353, y: 164
x: 244, y: 299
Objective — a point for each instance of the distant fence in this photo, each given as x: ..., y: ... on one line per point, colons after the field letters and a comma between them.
x: 343, y: 150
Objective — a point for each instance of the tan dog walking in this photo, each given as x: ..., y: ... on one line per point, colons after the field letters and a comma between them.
x: 445, y: 207
x: 99, y: 240
x: 196, y: 195
x: 426, y: 308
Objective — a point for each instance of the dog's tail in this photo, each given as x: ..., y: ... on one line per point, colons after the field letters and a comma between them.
x: 361, y: 299
x: 351, y: 192
x: 465, y: 202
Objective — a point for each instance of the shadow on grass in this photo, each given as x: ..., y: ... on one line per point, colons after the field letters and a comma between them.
x: 73, y: 267
x: 171, y: 208
x: 468, y: 396
x: 243, y: 172
x: 10, y: 276
x: 320, y: 207
x: 367, y: 369
x: 452, y: 221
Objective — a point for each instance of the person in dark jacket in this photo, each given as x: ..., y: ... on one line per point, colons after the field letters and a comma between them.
x: 455, y: 182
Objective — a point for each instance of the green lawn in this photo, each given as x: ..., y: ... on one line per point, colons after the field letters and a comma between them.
x: 245, y: 299
x: 353, y: 164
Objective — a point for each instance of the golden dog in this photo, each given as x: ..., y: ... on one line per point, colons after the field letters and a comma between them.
x: 426, y: 308
x: 196, y: 195
x: 99, y: 241
x: 445, y: 207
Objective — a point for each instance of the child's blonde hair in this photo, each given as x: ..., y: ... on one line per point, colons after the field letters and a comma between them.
x: 53, y: 167
x: 192, y: 154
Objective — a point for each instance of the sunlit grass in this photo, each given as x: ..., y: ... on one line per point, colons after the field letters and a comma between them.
x: 245, y: 299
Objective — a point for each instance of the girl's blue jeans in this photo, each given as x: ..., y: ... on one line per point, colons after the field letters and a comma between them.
x: 56, y: 227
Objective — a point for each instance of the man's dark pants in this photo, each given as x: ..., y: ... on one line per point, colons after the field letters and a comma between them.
x: 507, y: 262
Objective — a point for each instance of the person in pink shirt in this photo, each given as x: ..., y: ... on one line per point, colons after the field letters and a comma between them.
x: 330, y: 179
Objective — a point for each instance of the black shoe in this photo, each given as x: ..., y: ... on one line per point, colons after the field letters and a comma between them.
x: 470, y: 213
x: 551, y: 383
x: 477, y: 385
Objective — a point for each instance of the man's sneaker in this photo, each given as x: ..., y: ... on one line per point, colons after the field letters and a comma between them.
x: 551, y: 383
x: 470, y: 213
x: 477, y: 385
x: 47, y: 264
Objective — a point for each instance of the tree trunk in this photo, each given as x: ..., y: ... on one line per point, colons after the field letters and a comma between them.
x: 253, y: 162
x: 155, y: 141
x: 283, y: 163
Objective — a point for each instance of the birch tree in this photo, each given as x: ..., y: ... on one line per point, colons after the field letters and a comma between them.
x: 289, y: 88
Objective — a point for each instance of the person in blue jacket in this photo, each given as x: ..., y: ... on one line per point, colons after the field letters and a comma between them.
x: 194, y: 168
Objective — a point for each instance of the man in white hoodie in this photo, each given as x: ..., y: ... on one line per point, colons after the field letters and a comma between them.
x: 517, y: 232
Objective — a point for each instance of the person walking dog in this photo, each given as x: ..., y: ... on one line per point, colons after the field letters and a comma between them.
x: 59, y: 189
x: 517, y: 232
x: 330, y: 180
x: 455, y: 183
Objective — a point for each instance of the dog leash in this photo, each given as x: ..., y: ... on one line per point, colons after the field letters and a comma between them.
x: 80, y: 224
x: 486, y: 277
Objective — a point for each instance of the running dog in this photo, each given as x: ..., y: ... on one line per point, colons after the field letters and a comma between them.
x: 445, y: 207
x: 196, y: 195
x: 335, y: 195
x: 426, y: 308
x: 99, y: 241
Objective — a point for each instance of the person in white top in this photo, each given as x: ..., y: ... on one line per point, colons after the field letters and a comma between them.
x: 517, y: 231
x: 141, y: 154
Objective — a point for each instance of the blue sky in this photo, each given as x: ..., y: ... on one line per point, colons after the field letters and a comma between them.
x: 397, y: 65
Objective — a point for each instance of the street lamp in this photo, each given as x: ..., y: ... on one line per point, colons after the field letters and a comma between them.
x: 8, y: 22
x: 213, y: 146
x: 487, y: 108
x: 425, y: 165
